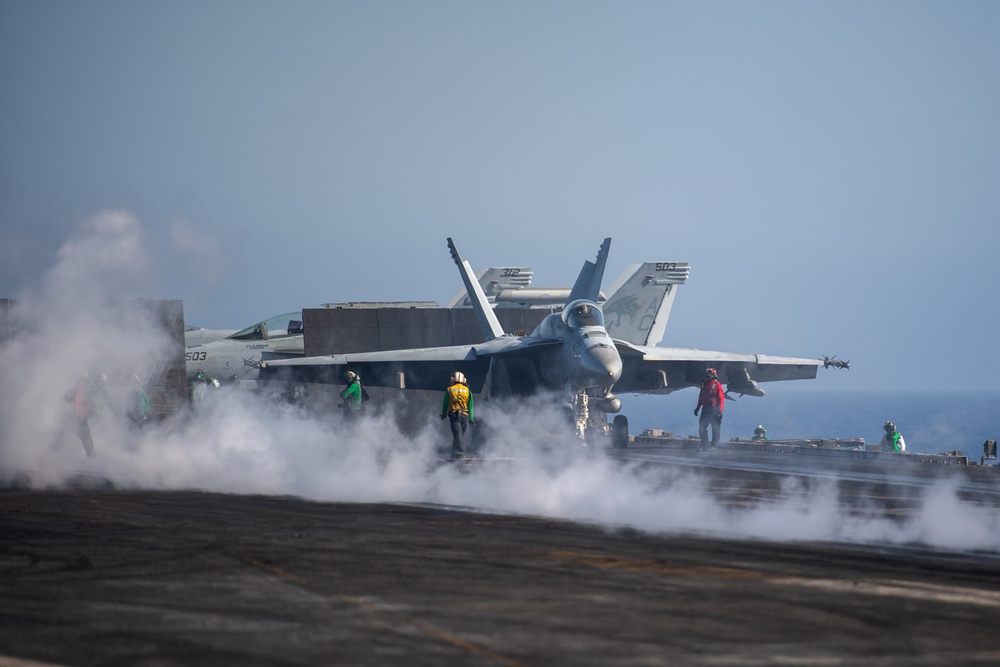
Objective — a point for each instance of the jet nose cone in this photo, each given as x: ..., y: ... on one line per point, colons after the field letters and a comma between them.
x: 602, y: 365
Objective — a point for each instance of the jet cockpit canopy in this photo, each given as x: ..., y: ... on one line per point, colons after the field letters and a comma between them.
x: 287, y: 324
x: 582, y: 313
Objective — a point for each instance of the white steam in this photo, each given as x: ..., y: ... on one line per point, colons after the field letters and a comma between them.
x: 208, y: 261
x: 240, y: 442
x: 68, y: 326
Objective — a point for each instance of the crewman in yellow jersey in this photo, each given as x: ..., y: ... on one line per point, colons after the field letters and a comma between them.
x: 458, y: 407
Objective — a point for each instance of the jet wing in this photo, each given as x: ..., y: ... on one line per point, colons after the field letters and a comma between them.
x: 419, y: 368
x: 661, y: 370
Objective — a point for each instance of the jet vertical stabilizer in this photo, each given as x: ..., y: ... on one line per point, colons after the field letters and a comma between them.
x: 641, y: 299
x: 487, y: 319
x: 588, y: 283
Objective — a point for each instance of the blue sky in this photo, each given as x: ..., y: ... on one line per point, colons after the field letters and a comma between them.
x: 829, y: 169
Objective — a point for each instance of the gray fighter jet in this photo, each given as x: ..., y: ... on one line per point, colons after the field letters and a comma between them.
x: 510, y: 287
x: 237, y: 356
x: 497, y: 283
x: 200, y: 335
x: 569, y: 351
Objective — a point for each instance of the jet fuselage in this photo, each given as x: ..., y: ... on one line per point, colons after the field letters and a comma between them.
x: 238, y: 356
x: 587, y: 357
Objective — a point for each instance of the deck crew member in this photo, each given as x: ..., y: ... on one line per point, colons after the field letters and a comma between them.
x: 201, y: 384
x: 892, y: 441
x: 353, y: 396
x: 80, y: 397
x: 458, y: 407
x: 137, y: 406
x: 711, y: 401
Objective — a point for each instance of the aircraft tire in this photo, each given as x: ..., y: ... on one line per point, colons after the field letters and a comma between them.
x: 619, y: 432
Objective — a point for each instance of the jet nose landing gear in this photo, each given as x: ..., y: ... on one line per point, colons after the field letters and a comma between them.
x: 589, y: 415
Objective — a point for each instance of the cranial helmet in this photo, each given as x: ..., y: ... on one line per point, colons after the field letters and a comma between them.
x: 712, y: 373
x: 889, y: 426
x: 760, y: 429
x: 458, y: 376
x: 350, y: 376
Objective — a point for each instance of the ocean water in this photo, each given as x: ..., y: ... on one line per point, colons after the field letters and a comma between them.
x: 931, y: 422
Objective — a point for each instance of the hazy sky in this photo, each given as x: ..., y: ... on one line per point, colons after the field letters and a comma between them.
x: 831, y: 170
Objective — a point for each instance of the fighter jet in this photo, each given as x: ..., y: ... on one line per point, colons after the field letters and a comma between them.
x: 200, y: 335
x: 495, y: 281
x: 569, y: 351
x: 510, y: 287
x: 237, y: 356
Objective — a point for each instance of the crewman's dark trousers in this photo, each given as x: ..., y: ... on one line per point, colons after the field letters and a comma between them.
x: 459, y: 425
x: 83, y: 431
x: 710, y: 416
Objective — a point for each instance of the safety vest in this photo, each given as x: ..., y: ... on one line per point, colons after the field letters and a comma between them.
x: 712, y: 394
x: 352, y: 395
x: 457, y: 398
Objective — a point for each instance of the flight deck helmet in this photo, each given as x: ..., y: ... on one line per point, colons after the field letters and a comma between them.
x: 760, y: 430
x: 350, y: 376
x: 712, y: 373
x: 458, y: 376
x: 889, y: 426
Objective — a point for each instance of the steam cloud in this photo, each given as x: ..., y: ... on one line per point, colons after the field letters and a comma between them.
x: 241, y: 442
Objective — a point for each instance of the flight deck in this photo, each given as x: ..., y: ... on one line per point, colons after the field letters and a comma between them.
x: 96, y: 575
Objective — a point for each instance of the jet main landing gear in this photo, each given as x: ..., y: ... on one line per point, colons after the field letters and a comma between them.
x: 619, y: 432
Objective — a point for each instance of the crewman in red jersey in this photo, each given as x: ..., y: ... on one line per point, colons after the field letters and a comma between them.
x: 711, y: 401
